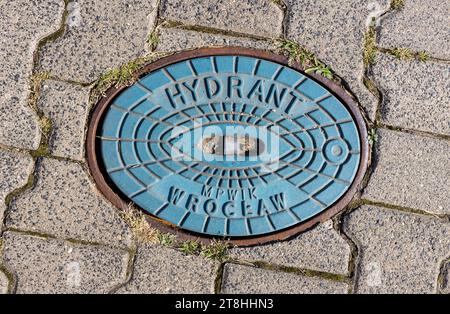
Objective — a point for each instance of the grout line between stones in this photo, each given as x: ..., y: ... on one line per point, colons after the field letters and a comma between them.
x: 154, y: 29
x: 35, y: 154
x: 218, y: 280
x: 415, y: 132
x: 413, y: 55
x: 167, y: 23
x: 73, y: 241
x: 293, y: 270
x: 404, y: 209
x: 353, y: 261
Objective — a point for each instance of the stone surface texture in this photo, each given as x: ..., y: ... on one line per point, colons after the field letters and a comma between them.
x: 67, y: 106
x: 243, y: 16
x: 160, y: 269
x: 334, y: 31
x: 54, y: 266
x: 244, y: 279
x: 320, y: 249
x: 400, y: 252
x: 64, y: 203
x: 23, y: 24
x: 421, y: 102
x: 99, y: 35
x: 411, y: 171
x: 14, y: 171
x: 421, y: 25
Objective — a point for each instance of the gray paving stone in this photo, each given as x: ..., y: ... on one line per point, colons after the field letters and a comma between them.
x: 64, y: 203
x: 14, y: 171
x: 67, y: 105
x: 319, y: 249
x: 55, y: 266
x: 422, y: 25
x: 411, y: 171
x: 399, y: 252
x: 4, y: 283
x: 243, y: 279
x: 159, y: 269
x: 416, y: 94
x: 174, y: 39
x: 243, y: 16
x: 334, y: 31
x: 99, y: 35
x: 22, y: 24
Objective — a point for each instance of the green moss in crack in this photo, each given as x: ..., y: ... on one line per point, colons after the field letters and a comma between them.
x: 371, y: 86
x: 397, y: 4
x: 217, y: 250
x: 423, y: 56
x: 321, y: 69
x: 125, y: 74
x: 294, y: 51
x: 298, y: 54
x: 139, y: 226
x: 301, y: 271
x: 153, y: 40
x: 402, y: 53
x: 166, y: 239
x: 370, y: 49
x: 117, y: 76
x: 190, y: 247
x: 46, y: 126
x: 35, y: 88
x: 372, y: 136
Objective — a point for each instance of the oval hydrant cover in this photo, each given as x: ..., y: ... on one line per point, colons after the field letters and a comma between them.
x: 229, y: 142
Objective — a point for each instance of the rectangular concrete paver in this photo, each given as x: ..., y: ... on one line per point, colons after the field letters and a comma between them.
x: 398, y: 252
x: 22, y: 24
x: 15, y: 169
x: 416, y: 94
x: 67, y: 106
x: 421, y: 25
x: 334, y: 31
x: 55, y: 266
x: 64, y: 203
x: 175, y: 39
x: 99, y: 35
x: 411, y: 171
x: 244, y: 279
x: 242, y: 16
x: 320, y: 249
x: 159, y: 269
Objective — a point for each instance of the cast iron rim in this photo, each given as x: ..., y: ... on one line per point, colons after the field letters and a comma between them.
x: 116, y: 197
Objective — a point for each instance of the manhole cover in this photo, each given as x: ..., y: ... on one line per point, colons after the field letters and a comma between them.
x: 229, y: 142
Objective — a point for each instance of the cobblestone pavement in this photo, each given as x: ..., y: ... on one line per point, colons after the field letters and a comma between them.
x: 60, y: 235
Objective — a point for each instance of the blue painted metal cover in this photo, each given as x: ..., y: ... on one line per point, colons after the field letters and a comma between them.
x: 230, y: 145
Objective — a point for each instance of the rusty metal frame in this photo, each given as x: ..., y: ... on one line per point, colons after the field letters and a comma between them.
x: 113, y: 194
